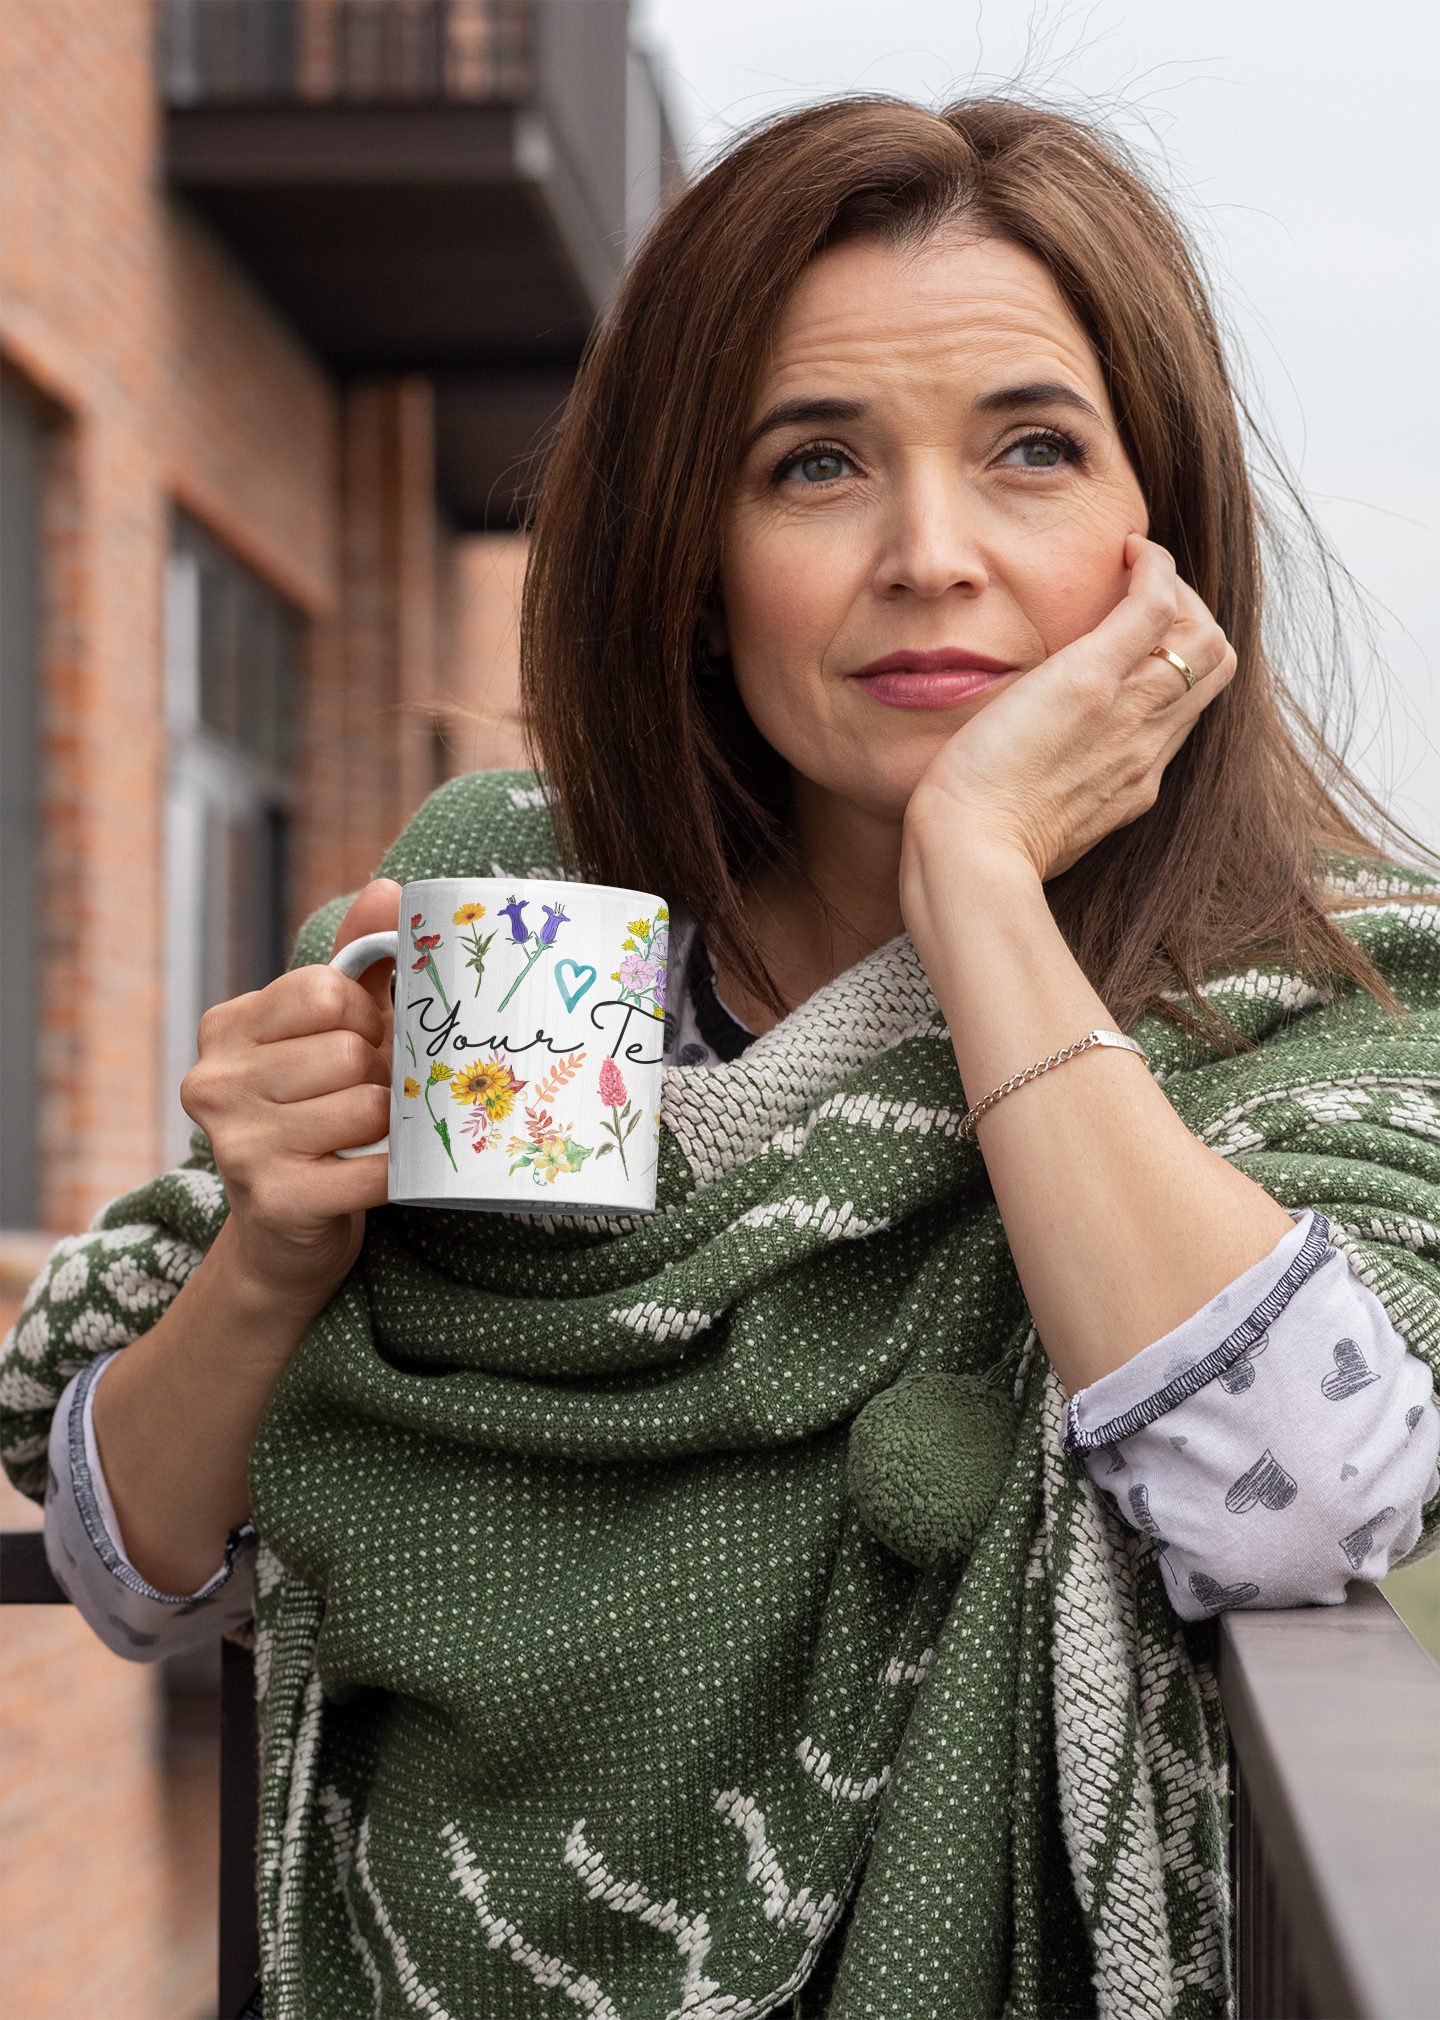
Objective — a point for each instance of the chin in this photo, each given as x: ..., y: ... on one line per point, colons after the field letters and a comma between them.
x: 884, y: 792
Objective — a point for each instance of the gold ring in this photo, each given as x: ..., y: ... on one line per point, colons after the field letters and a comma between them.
x: 1162, y: 652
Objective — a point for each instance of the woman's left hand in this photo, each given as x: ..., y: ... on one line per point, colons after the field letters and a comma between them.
x: 1076, y: 747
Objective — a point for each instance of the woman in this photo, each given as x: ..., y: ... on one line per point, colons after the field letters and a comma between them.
x: 789, y: 1600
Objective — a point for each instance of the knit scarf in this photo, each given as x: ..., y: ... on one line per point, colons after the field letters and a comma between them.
x: 695, y: 1615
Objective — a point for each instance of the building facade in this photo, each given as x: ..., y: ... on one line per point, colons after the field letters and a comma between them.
x: 290, y: 291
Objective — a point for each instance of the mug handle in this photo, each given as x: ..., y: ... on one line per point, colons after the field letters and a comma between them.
x: 353, y: 961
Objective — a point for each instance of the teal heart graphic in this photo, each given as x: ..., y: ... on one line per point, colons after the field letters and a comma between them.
x: 572, y: 996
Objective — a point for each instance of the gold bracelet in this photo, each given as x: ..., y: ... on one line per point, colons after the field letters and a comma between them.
x: 1091, y: 1038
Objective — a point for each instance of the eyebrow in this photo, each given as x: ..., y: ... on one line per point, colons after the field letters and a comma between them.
x: 1038, y: 393
x: 805, y: 413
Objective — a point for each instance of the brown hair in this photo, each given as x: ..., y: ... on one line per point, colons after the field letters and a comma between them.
x: 659, y: 779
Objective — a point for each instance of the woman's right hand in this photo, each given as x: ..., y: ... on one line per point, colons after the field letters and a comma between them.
x: 288, y: 1075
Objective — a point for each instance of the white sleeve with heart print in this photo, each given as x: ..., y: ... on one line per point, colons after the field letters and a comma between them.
x: 1278, y: 1444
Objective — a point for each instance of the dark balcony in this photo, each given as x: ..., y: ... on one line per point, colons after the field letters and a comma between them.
x: 442, y: 186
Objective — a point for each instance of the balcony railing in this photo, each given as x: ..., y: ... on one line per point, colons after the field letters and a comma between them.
x: 27, y: 1580
x: 351, y: 51
x: 1334, y: 1716
x: 445, y: 187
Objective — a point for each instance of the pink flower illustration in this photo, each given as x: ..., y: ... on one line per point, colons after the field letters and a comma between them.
x: 620, y: 1123
x: 638, y: 974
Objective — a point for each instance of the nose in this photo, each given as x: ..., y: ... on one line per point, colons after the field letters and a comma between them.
x: 931, y: 537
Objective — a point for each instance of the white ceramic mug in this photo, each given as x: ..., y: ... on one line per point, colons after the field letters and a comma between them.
x: 529, y: 1030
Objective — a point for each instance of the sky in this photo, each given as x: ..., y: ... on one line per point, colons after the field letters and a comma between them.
x: 1299, y: 143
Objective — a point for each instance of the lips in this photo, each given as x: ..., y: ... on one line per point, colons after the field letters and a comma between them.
x: 935, y: 679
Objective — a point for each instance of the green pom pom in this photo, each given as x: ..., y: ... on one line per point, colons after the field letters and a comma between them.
x: 927, y: 1460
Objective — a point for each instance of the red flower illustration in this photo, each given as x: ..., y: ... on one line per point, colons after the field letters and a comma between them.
x: 423, y: 962
x: 416, y: 920
x: 612, y: 1087
x: 428, y: 940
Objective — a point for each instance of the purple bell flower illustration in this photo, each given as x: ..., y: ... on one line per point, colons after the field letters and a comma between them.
x: 538, y: 943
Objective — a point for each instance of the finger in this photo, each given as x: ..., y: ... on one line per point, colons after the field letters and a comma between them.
x: 376, y: 910
x: 1143, y: 615
x: 250, y: 1146
x: 240, y: 1089
x: 332, y: 1122
x: 1183, y: 710
x: 299, y: 1069
x: 1195, y: 634
x: 1209, y: 656
x: 293, y: 1006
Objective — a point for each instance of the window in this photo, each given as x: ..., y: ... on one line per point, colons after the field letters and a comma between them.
x: 231, y: 682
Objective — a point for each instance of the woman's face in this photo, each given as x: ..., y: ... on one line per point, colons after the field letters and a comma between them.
x: 933, y: 499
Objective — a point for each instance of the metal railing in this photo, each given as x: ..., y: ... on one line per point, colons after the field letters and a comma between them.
x: 222, y: 52
x: 1334, y: 1717
x: 27, y: 1580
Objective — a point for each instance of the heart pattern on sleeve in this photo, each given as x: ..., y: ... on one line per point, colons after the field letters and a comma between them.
x: 1266, y: 1483
x: 1140, y: 1515
x: 1351, y: 1373
x: 1215, y: 1598
x: 1360, y: 1542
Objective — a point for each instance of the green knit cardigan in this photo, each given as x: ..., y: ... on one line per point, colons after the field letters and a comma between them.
x: 586, y: 1681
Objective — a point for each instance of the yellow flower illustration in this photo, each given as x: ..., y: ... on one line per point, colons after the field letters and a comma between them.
x: 552, y: 1158
x: 662, y: 917
x: 440, y: 1071
x: 468, y: 914
x: 640, y: 926
x: 412, y: 1088
x: 616, y: 976
x: 630, y: 946
x: 488, y: 1084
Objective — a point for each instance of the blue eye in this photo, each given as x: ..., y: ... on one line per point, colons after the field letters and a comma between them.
x: 1039, y: 452
x: 817, y: 466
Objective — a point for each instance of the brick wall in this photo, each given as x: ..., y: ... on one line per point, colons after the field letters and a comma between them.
x: 167, y: 379
x: 171, y: 380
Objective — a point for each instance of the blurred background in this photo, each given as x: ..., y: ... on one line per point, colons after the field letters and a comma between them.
x: 290, y: 293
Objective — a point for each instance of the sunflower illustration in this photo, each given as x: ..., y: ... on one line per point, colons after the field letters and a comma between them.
x: 488, y: 1084
x: 412, y: 1087
x: 468, y: 914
